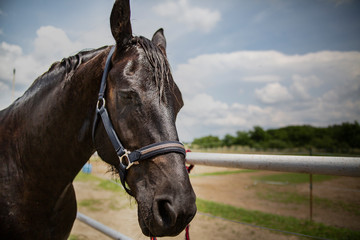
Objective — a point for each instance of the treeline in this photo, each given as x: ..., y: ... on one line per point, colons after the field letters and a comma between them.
x: 335, y: 138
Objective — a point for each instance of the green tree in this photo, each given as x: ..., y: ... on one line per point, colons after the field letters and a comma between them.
x: 277, y: 143
x: 258, y: 134
x: 208, y: 142
x: 347, y: 134
x: 334, y: 138
x: 229, y: 140
x: 242, y: 138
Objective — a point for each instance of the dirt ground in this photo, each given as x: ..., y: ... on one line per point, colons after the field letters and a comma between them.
x: 119, y: 211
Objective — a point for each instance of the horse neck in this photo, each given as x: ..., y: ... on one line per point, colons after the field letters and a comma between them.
x: 57, y: 131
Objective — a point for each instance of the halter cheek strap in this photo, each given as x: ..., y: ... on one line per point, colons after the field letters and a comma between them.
x: 127, y: 158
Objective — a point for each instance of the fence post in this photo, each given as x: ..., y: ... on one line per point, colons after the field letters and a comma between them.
x: 311, y: 197
x: 311, y: 188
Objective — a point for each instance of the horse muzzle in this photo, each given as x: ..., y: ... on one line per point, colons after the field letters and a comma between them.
x: 168, y: 216
x: 165, y: 197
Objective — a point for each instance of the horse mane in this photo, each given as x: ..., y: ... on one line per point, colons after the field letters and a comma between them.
x: 59, y: 72
x: 65, y: 68
x: 73, y: 62
x: 159, y: 62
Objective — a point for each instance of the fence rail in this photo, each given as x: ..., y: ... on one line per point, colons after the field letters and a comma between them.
x: 338, y: 166
x: 101, y: 227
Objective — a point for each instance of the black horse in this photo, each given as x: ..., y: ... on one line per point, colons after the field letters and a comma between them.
x: 46, y: 137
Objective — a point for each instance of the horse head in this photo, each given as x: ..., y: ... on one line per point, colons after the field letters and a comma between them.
x: 143, y: 101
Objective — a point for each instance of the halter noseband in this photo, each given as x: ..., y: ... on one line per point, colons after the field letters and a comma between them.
x: 127, y: 158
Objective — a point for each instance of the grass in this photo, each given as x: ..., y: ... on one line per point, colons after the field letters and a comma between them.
x: 285, y: 223
x: 73, y: 237
x: 101, y: 204
x: 274, y: 221
x: 84, y: 177
x: 103, y: 183
x: 283, y: 197
x: 296, y: 198
x: 293, y: 178
x: 115, y: 205
x: 91, y: 204
x: 110, y: 186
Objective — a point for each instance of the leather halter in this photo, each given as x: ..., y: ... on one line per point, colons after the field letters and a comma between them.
x: 127, y: 158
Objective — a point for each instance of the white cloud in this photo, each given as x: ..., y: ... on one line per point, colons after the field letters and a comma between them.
x: 95, y: 37
x: 318, y: 88
x: 203, y: 115
x: 10, y: 49
x: 195, y: 18
x: 4, y: 87
x: 51, y: 44
x: 221, y: 91
x: 202, y: 112
x: 321, y: 70
x: 262, y: 78
x: 301, y: 85
x: 8, y: 55
x: 243, y: 66
x: 273, y: 93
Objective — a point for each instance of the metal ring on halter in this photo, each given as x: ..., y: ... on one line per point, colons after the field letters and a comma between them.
x: 102, y: 101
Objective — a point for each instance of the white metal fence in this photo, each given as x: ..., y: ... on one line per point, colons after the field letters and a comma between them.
x: 338, y: 166
x: 101, y: 227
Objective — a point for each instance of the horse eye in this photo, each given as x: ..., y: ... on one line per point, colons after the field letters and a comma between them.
x: 129, y: 96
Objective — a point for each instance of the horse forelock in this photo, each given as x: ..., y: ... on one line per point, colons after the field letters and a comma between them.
x: 162, y: 71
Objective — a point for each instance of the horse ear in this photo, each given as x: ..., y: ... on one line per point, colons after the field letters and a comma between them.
x: 120, y: 22
x: 159, y: 40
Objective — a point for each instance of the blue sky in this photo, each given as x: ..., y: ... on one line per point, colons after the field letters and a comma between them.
x: 238, y: 63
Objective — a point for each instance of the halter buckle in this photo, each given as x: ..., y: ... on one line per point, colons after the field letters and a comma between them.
x: 125, y: 160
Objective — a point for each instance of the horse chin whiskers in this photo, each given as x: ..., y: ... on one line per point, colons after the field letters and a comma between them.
x: 114, y: 172
x: 116, y: 177
x: 144, y: 218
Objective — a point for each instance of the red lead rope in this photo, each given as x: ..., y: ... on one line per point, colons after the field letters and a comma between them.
x: 187, y: 234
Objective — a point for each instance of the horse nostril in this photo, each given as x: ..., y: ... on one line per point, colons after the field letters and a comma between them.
x: 170, y: 215
x: 164, y: 213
